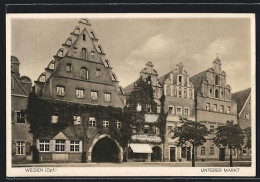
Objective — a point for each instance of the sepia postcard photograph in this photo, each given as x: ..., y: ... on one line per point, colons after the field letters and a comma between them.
x: 96, y: 95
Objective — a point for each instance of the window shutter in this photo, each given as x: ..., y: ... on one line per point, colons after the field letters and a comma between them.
x: 13, y: 148
x: 13, y: 117
x: 28, y: 148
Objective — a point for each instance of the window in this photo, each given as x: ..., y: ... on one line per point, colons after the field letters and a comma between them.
x: 216, y: 80
x: 138, y: 107
x: 84, y: 37
x: 210, y: 91
x: 244, y: 150
x: 202, y: 150
x: 107, y: 63
x: 180, y: 92
x: 169, y: 128
x: 114, y: 78
x: 83, y: 53
x: 68, y: 67
x: 100, y: 48
x: 171, y: 110
x: 185, y: 93
x: 20, y: 116
x: 20, y: 148
x: 12, y: 83
x: 77, y: 120
x: 222, y: 109
x: 146, y: 129
x: 148, y: 108
x: 60, y: 146
x: 51, y: 66
x: 228, y: 109
x: 54, y: 118
x: 92, y: 33
x: 75, y: 49
x: 246, y: 115
x: 207, y: 106
x: 186, y: 112
x: 156, y: 130
x: 84, y: 73
x: 216, y: 93
x: 94, y: 95
x: 211, y: 128
x: 74, y: 146
x: 44, y: 145
x: 211, y: 150
x: 80, y: 93
x: 133, y: 129
x: 214, y: 107
x: 168, y: 90
x: 180, y: 80
x: 222, y: 93
x: 60, y: 90
x: 98, y: 73
x: 178, y: 111
x: 158, y: 109
x: 107, y: 97
x: 105, y: 123
x: 92, y: 53
x: 92, y: 121
x: 118, y: 124
x: 42, y: 78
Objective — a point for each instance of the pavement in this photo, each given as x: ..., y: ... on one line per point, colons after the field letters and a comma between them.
x: 139, y: 164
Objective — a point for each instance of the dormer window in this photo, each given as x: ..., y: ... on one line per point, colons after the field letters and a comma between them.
x: 77, y: 30
x: 100, y: 48
x: 114, y: 77
x: 93, y: 34
x: 107, y: 63
x: 60, y: 52
x: 69, y: 41
x: 42, y: 78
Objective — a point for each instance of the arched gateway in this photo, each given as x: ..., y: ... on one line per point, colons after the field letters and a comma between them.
x: 105, y: 149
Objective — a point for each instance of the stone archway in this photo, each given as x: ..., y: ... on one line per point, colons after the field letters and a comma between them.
x: 105, y: 149
x: 157, y: 154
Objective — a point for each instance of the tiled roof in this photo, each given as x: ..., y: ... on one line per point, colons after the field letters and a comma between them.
x: 196, y: 80
x: 241, y: 97
x: 128, y: 89
x: 164, y: 77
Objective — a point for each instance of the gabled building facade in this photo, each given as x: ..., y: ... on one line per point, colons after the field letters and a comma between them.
x: 243, y: 100
x: 144, y: 108
x: 214, y: 107
x: 21, y: 138
x: 80, y: 77
x: 179, y: 102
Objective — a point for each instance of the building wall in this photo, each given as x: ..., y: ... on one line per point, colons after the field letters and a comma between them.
x: 244, y: 121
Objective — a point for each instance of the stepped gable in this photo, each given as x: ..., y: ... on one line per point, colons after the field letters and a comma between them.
x: 240, y: 97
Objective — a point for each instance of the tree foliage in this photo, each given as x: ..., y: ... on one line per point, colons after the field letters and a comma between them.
x: 190, y: 132
x: 229, y: 135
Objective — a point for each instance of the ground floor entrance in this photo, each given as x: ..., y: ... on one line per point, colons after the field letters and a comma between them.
x: 221, y: 154
x: 156, y: 156
x: 105, y: 150
x: 172, y: 154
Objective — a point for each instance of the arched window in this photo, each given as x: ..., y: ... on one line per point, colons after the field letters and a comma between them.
x: 185, y: 92
x: 174, y: 91
x: 84, y: 53
x: 216, y: 93
x: 84, y: 73
x: 168, y: 90
x: 216, y: 80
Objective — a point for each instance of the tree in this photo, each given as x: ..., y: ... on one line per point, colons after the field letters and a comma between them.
x: 230, y: 135
x: 247, y: 132
x: 190, y: 132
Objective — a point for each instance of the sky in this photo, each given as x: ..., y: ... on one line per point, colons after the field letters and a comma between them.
x: 129, y: 43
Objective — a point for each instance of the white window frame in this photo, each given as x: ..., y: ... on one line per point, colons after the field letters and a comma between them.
x: 59, y: 145
x: 94, y: 95
x: 44, y: 144
x: 105, y: 123
x: 20, y: 116
x: 107, y: 97
x: 60, y: 90
x: 178, y: 113
x: 80, y: 93
x: 54, y: 118
x: 118, y: 124
x: 92, y: 121
x: 74, y: 144
x: 20, y: 148
x: 77, y: 120
x: 138, y: 107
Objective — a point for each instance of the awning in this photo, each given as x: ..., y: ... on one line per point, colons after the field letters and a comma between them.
x: 141, y: 148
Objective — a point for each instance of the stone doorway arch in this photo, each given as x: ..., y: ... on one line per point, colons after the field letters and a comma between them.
x: 105, y: 149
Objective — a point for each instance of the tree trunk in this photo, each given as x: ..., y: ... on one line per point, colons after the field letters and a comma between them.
x: 192, y: 157
x: 230, y: 156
